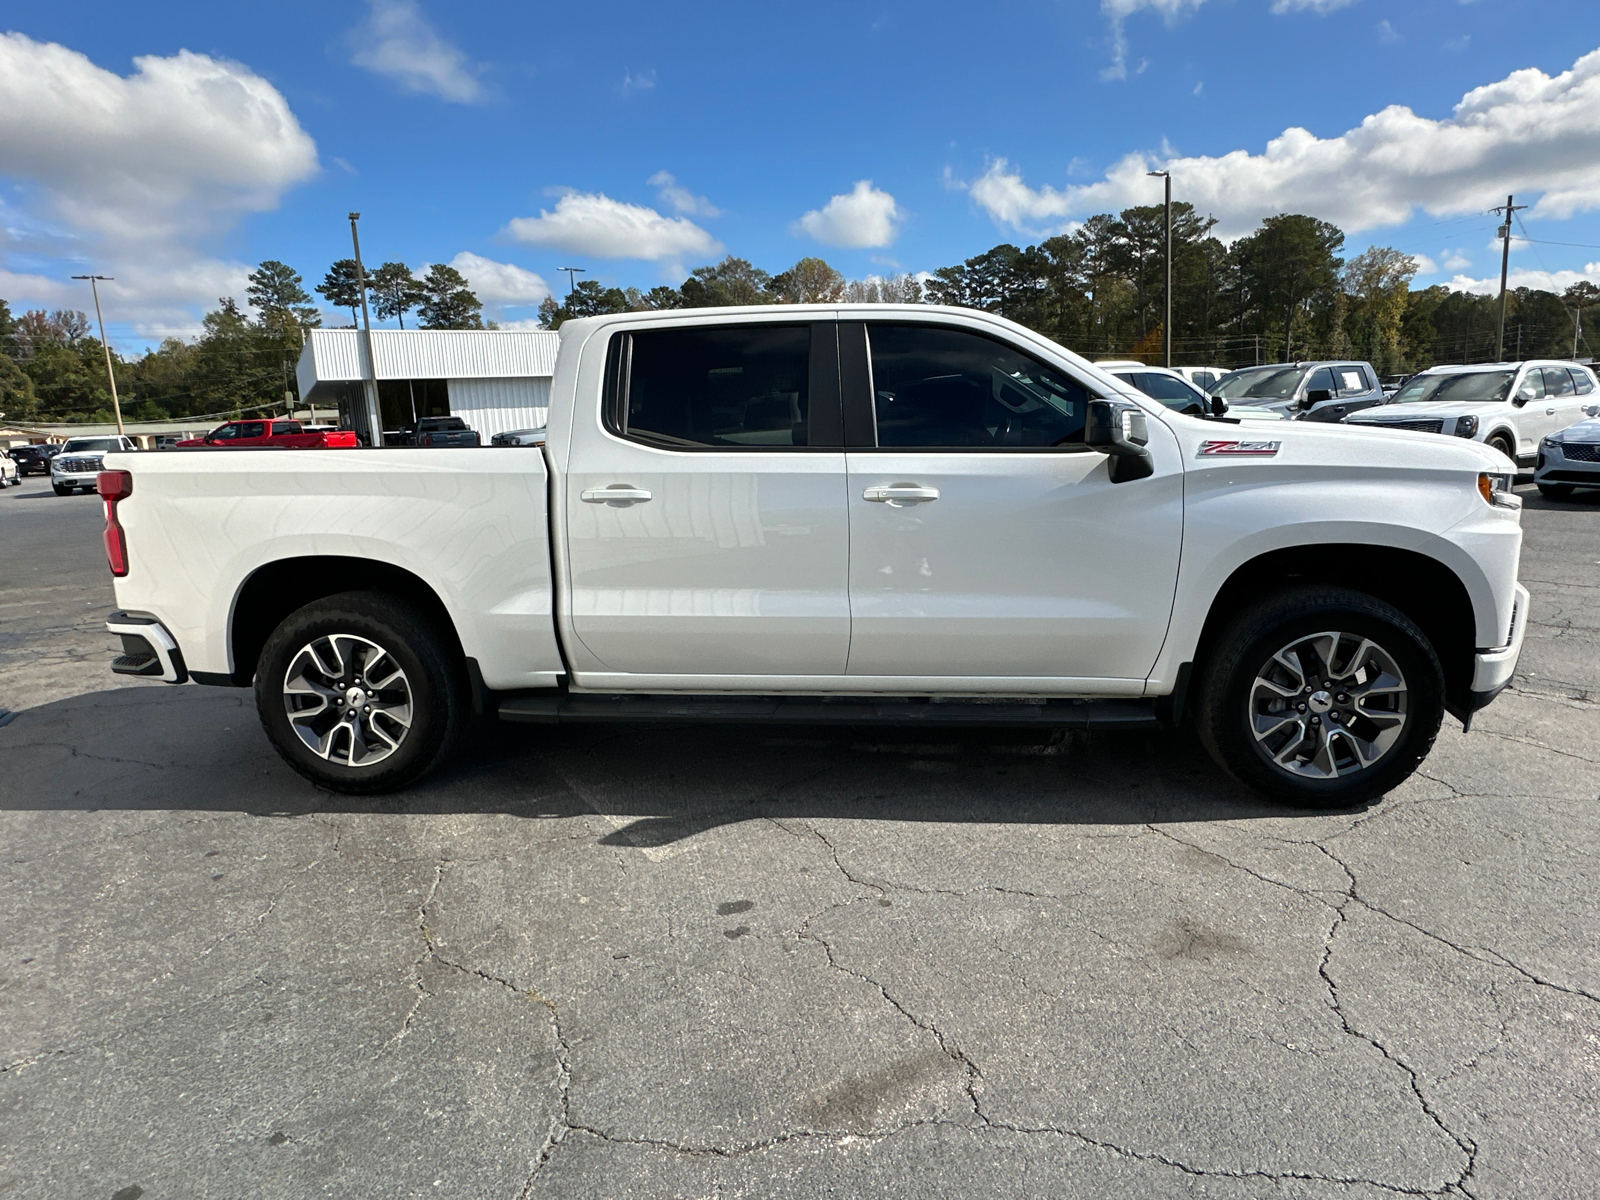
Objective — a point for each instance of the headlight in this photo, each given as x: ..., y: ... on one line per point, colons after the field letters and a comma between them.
x: 1496, y: 490
x: 1466, y: 426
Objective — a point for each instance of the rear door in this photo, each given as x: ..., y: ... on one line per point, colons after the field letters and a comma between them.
x: 1561, y: 396
x: 706, y: 526
x: 986, y: 541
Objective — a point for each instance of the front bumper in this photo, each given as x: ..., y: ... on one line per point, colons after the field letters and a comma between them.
x: 1553, y: 466
x: 77, y: 479
x: 1492, y: 670
x: 147, y: 648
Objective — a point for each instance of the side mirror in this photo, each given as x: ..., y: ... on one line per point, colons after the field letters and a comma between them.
x: 1592, y: 410
x: 1521, y: 399
x: 1119, y: 430
x: 1315, y: 397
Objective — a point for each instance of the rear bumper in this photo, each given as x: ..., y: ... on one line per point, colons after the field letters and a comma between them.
x: 1493, y: 669
x: 147, y: 648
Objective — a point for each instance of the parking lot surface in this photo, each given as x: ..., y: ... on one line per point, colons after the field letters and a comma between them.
x: 716, y: 961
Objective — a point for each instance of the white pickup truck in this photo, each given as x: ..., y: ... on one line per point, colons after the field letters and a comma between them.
x: 838, y: 514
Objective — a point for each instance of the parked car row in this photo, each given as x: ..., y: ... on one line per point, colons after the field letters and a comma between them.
x: 1543, y: 414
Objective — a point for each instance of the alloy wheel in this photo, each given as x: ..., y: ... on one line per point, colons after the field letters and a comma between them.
x: 1328, y: 705
x: 348, y: 700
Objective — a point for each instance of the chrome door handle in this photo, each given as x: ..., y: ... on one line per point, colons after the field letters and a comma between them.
x: 617, y: 493
x: 900, y: 493
x: 1549, y: 412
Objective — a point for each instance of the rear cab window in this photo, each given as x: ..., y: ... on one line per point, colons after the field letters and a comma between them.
x: 736, y: 387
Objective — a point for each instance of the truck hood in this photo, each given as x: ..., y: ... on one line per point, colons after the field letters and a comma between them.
x: 1303, y: 446
x: 1409, y: 412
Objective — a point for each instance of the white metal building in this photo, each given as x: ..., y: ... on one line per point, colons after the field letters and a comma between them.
x: 493, y: 379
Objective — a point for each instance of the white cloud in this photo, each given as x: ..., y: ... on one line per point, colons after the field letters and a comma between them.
x: 501, y: 284
x: 397, y: 41
x: 681, y: 199
x: 861, y: 217
x: 1388, y: 35
x: 1117, y: 13
x: 131, y: 175
x: 1425, y: 265
x: 1316, y: 6
x: 642, y: 82
x: 1529, y: 133
x: 594, y: 224
x: 1456, y: 261
x: 1549, y: 281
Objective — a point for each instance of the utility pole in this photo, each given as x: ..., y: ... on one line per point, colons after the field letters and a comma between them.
x: 374, y: 413
x: 1166, y: 321
x: 111, y: 377
x: 1505, y: 264
x: 572, y: 277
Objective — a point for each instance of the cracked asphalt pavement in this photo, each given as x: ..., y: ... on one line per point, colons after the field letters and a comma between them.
x: 715, y: 961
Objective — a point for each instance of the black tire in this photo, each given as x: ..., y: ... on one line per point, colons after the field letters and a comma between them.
x: 349, y: 629
x: 61, y: 491
x: 1555, y: 491
x: 1239, y: 685
x: 1503, y: 444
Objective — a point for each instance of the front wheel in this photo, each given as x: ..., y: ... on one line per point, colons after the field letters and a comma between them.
x: 61, y: 491
x: 1321, y: 697
x: 1555, y: 491
x: 361, y: 693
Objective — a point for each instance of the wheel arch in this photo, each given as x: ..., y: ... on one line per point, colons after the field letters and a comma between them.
x: 275, y: 589
x: 1423, y: 588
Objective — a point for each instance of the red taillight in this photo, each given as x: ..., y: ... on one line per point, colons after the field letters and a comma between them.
x: 114, y: 486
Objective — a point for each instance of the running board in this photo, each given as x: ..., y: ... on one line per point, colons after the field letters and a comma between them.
x: 555, y: 708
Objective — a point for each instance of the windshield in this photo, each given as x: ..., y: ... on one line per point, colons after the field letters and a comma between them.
x: 1259, y: 383
x: 91, y: 446
x: 1170, y: 390
x: 1476, y: 385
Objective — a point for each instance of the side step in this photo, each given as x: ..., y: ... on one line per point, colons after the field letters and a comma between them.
x: 555, y: 708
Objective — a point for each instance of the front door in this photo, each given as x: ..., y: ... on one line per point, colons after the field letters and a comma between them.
x: 707, y: 533
x: 986, y: 542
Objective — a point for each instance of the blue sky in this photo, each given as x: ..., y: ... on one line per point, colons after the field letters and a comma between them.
x: 638, y: 141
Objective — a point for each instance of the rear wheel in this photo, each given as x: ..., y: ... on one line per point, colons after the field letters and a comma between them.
x: 1321, y: 697
x: 359, y: 692
x: 1555, y: 491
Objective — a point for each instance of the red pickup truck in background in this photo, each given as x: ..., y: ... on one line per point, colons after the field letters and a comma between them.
x: 273, y: 433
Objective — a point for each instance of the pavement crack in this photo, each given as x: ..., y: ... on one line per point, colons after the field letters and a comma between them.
x: 1467, y: 1146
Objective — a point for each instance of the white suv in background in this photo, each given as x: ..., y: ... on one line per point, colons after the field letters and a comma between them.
x: 1509, y: 406
x: 77, y: 466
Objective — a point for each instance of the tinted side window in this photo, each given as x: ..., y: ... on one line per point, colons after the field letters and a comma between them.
x: 1581, y: 378
x: 942, y: 388
x: 279, y: 427
x: 252, y: 429
x: 226, y: 433
x: 1532, y: 385
x: 1557, y: 382
x: 740, y: 386
x: 1321, y: 380
x: 1352, y: 381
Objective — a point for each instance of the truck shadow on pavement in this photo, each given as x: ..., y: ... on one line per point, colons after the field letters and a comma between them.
x: 157, y: 748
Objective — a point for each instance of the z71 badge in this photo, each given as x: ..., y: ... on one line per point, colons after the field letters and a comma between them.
x: 1207, y: 449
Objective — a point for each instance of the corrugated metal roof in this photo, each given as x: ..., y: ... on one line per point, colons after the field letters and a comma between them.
x: 337, y: 355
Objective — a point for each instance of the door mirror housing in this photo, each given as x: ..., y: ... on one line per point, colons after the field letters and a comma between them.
x: 1315, y: 397
x: 1122, y: 432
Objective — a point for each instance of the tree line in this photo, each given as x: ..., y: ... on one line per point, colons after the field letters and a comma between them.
x: 1281, y: 293
x: 52, y: 369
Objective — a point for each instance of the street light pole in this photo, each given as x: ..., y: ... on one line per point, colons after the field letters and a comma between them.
x: 94, y: 286
x: 370, y: 384
x: 1166, y: 320
x: 572, y: 277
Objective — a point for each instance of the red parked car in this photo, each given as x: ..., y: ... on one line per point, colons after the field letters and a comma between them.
x: 242, y: 434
